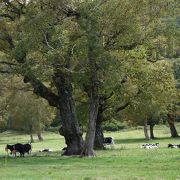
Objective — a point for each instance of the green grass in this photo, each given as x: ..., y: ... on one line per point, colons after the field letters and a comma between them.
x: 125, y: 161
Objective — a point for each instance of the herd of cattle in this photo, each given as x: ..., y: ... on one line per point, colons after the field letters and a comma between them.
x: 27, y: 148
x: 153, y: 146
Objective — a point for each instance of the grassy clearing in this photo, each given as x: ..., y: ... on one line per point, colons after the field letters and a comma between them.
x: 125, y: 161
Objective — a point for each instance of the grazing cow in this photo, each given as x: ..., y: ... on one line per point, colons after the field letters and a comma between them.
x: 173, y: 145
x: 149, y: 146
x: 109, y: 141
x: 16, y: 148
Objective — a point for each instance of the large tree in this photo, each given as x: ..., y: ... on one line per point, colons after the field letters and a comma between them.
x: 36, y: 44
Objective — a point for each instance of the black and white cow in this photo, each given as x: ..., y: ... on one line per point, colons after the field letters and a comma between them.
x: 45, y: 150
x: 173, y: 145
x: 149, y: 146
x: 108, y: 141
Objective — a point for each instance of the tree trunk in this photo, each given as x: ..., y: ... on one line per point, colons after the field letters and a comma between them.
x: 173, y: 130
x: 90, y: 135
x: 31, y: 136
x: 99, y: 136
x: 146, y: 130
x: 39, y: 136
x: 39, y: 128
x: 31, y: 133
x: 70, y: 128
x: 152, y: 131
x: 93, y: 53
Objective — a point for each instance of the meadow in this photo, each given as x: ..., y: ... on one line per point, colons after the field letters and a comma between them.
x: 126, y: 160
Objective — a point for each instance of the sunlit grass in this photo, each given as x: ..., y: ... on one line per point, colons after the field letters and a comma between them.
x: 123, y: 161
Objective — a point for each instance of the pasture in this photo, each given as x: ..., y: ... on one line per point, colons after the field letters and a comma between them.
x: 125, y: 161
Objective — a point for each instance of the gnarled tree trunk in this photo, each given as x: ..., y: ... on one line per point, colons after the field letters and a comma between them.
x: 64, y: 102
x: 173, y: 130
x: 70, y: 127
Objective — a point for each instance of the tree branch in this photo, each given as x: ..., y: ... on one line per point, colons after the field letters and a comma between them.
x: 41, y: 90
x: 122, y: 107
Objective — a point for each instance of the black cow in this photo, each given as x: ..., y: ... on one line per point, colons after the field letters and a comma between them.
x: 109, y: 141
x: 16, y: 148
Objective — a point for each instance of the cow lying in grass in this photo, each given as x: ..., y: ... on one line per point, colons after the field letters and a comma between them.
x: 149, y: 146
x: 21, y: 148
x: 45, y: 150
x: 109, y: 141
x: 173, y: 145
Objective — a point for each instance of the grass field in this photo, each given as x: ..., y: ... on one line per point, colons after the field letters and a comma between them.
x: 125, y: 161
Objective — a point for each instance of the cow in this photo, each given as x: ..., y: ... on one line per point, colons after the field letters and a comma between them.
x: 173, y: 145
x: 108, y: 141
x: 45, y: 150
x: 16, y: 148
x: 149, y: 146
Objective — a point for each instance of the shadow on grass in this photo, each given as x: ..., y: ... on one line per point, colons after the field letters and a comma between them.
x: 35, y: 155
x: 142, y: 140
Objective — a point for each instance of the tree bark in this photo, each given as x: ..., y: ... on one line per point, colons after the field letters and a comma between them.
x: 99, y: 136
x: 173, y: 130
x: 152, y: 131
x: 70, y: 128
x: 64, y: 102
x: 146, y: 130
x: 90, y: 135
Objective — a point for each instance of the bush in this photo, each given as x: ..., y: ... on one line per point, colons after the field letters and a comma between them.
x: 113, y: 126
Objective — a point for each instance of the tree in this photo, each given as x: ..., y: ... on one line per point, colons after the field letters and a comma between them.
x: 155, y: 89
x: 27, y: 34
x: 29, y: 113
